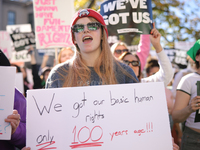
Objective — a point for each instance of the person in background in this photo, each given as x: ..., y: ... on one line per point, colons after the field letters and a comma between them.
x: 142, y: 53
x: 156, y: 73
x: 65, y: 54
x: 187, y: 102
x: 133, y: 61
x: 17, y: 119
x: 39, y: 81
x: 152, y: 68
x: 178, y: 127
x: 27, y: 84
x: 190, y: 69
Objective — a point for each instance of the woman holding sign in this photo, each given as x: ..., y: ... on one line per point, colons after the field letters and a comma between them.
x: 187, y: 103
x: 94, y: 63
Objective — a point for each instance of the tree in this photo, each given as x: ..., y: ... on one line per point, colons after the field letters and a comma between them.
x: 177, y: 20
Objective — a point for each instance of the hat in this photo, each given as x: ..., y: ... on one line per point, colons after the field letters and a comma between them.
x: 193, y: 51
x: 44, y: 70
x: 88, y: 13
x: 3, y: 60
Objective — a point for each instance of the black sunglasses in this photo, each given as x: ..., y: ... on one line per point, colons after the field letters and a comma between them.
x: 119, y: 51
x: 133, y: 63
x: 92, y: 26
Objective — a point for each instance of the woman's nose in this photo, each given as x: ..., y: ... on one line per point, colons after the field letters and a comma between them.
x: 85, y: 30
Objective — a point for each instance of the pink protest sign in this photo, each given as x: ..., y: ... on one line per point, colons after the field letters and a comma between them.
x: 5, y: 43
x: 52, y: 23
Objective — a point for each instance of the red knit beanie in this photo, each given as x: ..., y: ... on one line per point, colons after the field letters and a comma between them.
x: 88, y: 13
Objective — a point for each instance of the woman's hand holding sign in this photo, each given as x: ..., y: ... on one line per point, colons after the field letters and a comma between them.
x: 155, y: 39
x: 14, y: 120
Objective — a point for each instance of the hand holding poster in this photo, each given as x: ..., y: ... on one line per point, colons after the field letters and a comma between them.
x: 7, y: 87
x: 127, y: 16
x: 125, y: 116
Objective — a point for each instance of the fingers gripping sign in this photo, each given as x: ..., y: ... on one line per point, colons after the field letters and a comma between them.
x: 195, y: 104
x: 155, y: 39
x: 14, y: 120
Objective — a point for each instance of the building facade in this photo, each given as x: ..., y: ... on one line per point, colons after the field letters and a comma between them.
x: 16, y: 12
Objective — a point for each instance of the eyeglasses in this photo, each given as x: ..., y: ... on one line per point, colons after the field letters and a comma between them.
x: 133, y: 63
x: 119, y: 51
x: 92, y: 26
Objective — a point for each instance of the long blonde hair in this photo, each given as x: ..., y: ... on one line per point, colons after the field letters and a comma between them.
x: 114, y: 46
x: 79, y: 73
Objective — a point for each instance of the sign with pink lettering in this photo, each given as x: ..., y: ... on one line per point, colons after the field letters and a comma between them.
x: 52, y: 23
x: 5, y: 43
x: 123, y: 116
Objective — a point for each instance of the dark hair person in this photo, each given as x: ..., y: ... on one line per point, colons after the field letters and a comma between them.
x: 164, y: 72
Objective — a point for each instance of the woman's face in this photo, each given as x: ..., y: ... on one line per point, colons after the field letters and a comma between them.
x: 88, y: 41
x: 131, y: 58
x: 119, y: 50
x: 46, y: 75
x: 66, y: 55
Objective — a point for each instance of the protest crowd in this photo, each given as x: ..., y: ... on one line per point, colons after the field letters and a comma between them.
x: 91, y: 60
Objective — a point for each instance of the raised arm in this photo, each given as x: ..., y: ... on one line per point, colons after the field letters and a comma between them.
x: 165, y: 72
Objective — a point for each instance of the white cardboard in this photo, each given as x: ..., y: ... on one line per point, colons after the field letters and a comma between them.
x: 7, y: 87
x: 123, y: 116
x: 52, y: 23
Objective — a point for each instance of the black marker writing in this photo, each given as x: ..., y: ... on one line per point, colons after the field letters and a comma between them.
x: 56, y: 106
x: 77, y: 106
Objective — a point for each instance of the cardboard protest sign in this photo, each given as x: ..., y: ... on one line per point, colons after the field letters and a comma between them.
x: 7, y: 88
x: 19, y: 28
x: 22, y: 36
x: 5, y: 43
x: 123, y: 116
x: 52, y: 23
x: 19, y: 82
x: 127, y: 16
x: 178, y: 57
x: 183, y: 45
x: 22, y: 41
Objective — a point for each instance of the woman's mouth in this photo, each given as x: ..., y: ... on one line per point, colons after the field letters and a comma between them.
x: 87, y: 39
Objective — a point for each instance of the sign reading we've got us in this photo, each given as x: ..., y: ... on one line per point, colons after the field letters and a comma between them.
x: 125, y: 116
x: 127, y: 16
x: 52, y: 22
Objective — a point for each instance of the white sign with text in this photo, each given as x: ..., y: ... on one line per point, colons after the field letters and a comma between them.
x: 7, y: 89
x: 52, y: 23
x: 122, y: 116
